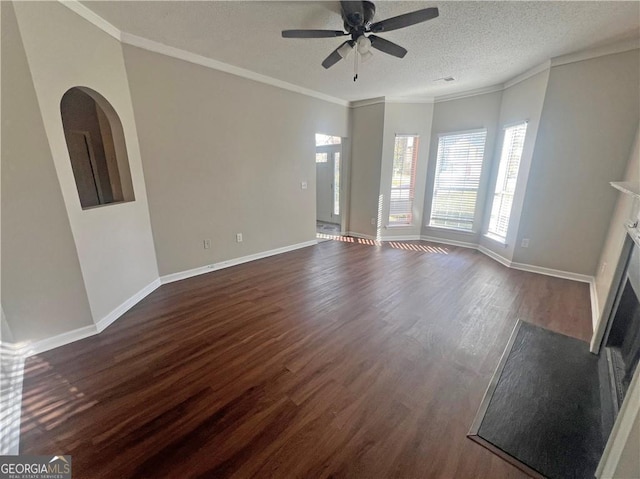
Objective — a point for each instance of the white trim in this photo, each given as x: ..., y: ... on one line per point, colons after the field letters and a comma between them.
x: 92, y: 17
x: 401, y: 238
x: 595, y: 307
x: 456, y: 133
x: 583, y: 278
x: 367, y: 102
x: 157, y: 47
x: 103, y: 323
x: 61, y: 339
x: 468, y: 93
x: 495, y: 256
x: 621, y: 432
x: 170, y: 278
x: 527, y: 74
x: 435, y: 239
x: 363, y: 236
x: 68, y: 337
x: 409, y: 100
x: 498, y: 240
x: 610, y: 49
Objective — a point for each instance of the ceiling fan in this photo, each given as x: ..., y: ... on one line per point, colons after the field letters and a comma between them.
x: 357, y: 17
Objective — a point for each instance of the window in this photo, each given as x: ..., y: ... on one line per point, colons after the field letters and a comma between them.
x: 403, y: 179
x: 95, y: 140
x: 457, y: 178
x: 325, y: 140
x: 506, y: 181
x: 322, y: 157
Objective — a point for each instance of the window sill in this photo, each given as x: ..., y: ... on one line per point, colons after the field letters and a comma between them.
x: 396, y: 226
x: 496, y: 239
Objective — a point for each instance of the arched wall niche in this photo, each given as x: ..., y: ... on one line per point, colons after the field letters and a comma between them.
x: 97, y: 149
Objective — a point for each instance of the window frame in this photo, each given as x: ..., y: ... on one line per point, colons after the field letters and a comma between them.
x: 503, y: 167
x: 412, y: 181
x: 480, y: 186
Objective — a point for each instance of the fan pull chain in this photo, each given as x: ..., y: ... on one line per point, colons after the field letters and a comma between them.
x: 355, y: 64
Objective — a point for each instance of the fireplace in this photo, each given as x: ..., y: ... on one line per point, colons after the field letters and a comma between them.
x: 622, y: 338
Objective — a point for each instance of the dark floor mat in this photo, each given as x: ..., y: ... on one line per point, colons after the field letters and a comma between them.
x: 542, y: 409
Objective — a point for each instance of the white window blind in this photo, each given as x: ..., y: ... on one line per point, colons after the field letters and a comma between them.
x: 455, y: 188
x: 510, y: 157
x: 403, y: 179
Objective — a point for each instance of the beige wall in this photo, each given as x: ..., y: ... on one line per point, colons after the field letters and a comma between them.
x: 224, y: 155
x: 616, y: 235
x: 520, y: 102
x: 114, y: 242
x: 480, y: 111
x: 43, y: 290
x: 589, y: 120
x: 367, y: 130
x: 405, y: 118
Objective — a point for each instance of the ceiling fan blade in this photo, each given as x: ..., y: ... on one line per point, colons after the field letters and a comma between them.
x: 387, y: 47
x: 312, y: 33
x: 405, y: 20
x: 335, y: 56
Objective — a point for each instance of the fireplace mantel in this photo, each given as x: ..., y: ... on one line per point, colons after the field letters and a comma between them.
x: 627, y: 187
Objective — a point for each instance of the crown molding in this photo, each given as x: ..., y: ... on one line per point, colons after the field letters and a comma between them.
x: 528, y: 74
x: 408, y: 99
x: 610, y: 49
x: 367, y: 102
x: 157, y: 47
x: 468, y: 93
x: 92, y: 17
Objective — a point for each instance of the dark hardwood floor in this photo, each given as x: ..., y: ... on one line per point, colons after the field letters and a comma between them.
x: 338, y: 360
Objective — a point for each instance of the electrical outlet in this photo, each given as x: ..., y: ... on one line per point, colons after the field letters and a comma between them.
x: 303, y: 185
x: 238, y: 237
x: 525, y: 243
x: 603, y: 267
x: 207, y: 244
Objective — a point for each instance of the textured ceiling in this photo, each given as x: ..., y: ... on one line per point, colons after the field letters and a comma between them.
x: 478, y: 43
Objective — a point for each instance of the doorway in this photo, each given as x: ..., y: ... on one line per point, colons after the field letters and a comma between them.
x: 329, y: 184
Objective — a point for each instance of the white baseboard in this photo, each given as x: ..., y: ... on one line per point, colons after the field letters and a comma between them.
x: 170, y: 278
x: 462, y: 244
x: 103, y: 323
x: 495, y: 256
x: 583, y: 278
x: 360, y: 235
x: 595, y: 307
x: 58, y: 340
x: 401, y: 238
x: 68, y: 337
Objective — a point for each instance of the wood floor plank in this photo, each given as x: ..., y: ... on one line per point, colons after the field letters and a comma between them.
x: 346, y: 359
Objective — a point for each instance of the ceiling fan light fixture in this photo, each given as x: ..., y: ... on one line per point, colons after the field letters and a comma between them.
x: 345, y: 50
x: 366, y: 56
x: 364, y: 44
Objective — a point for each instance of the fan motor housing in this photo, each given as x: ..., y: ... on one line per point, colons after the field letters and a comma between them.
x: 357, y: 20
